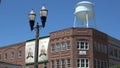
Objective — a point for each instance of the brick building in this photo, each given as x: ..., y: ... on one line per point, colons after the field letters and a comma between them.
x: 9, y: 65
x: 82, y: 48
x: 14, y: 54
x: 71, y: 48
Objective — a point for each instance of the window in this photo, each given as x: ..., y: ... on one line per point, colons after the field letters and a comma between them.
x: 62, y: 46
x: 52, y: 64
x: 62, y: 63
x: 119, y: 53
x: 115, y: 53
x: 95, y: 66
x: 110, y: 51
x: 0, y: 57
x: 95, y: 46
x: 57, y: 47
x: 68, y: 63
x: 78, y: 63
x: 102, y: 64
x: 19, y: 53
x: 98, y: 63
x: 68, y: 45
x: 98, y: 47
x: 105, y: 64
x: 105, y: 49
x: 5, y: 56
x: 83, y: 45
x: 57, y: 63
x: 12, y: 55
x: 53, y: 47
x: 83, y: 63
x: 87, y: 63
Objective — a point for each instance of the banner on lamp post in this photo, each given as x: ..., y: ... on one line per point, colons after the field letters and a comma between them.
x: 42, y: 52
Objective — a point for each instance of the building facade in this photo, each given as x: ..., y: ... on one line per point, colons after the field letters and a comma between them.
x: 14, y: 54
x: 9, y: 65
x: 82, y: 48
x: 68, y: 48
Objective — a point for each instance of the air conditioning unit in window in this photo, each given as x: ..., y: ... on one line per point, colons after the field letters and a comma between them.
x: 82, y: 52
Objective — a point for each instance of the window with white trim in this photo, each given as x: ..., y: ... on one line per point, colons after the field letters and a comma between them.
x: 68, y: 46
x: 115, y: 53
x: 95, y: 64
x: 52, y: 64
x: 12, y: 55
x: 57, y: 47
x: 52, y: 47
x: 57, y: 63
x: 62, y: 63
x: 95, y: 45
x: 19, y: 53
x: 98, y: 64
x: 5, y: 56
x: 119, y: 53
x: 82, y: 63
x: 68, y: 63
x: 83, y: 45
x: 110, y: 51
x: 62, y: 46
x: 0, y: 57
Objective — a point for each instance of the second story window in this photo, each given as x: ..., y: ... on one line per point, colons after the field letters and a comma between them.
x: 83, y: 45
x: 12, y: 55
x: 68, y: 45
x: 5, y: 56
x: 52, y: 47
x: 0, y: 57
x: 119, y: 53
x: 62, y: 46
x: 110, y: 51
x: 57, y: 47
x: 19, y: 53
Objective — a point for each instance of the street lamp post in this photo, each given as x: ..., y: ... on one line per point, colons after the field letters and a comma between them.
x: 32, y: 16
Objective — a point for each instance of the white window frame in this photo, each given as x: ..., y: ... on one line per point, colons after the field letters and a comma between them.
x: 57, y: 49
x: 68, y: 63
x: 119, y: 53
x: 63, y: 46
x: 95, y: 63
x: 62, y: 63
x: 68, y: 46
x: 5, y: 56
x: 80, y: 62
x: 19, y: 53
x: 95, y: 45
x: 84, y: 45
x: 0, y: 56
x: 52, y: 47
x: 52, y: 64
x: 12, y: 55
x: 57, y: 63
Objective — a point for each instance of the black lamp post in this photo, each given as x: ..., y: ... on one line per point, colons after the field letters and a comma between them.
x: 32, y: 16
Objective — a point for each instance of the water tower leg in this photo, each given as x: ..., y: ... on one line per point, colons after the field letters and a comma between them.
x: 86, y: 19
x: 74, y: 21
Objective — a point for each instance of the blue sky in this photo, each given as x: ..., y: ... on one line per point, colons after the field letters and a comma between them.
x: 14, y: 23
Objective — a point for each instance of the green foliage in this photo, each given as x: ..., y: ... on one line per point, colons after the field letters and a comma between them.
x: 115, y: 66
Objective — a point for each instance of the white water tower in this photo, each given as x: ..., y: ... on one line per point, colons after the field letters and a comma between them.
x: 84, y: 11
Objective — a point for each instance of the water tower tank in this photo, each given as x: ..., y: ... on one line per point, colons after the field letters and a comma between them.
x: 84, y: 11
